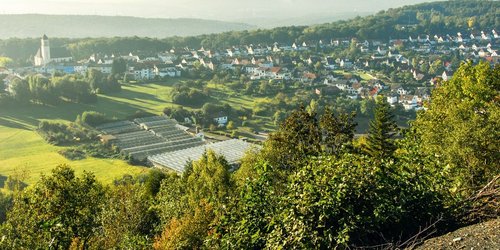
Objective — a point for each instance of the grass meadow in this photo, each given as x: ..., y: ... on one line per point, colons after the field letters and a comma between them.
x: 25, y: 154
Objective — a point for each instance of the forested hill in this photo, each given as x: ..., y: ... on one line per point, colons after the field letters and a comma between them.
x: 31, y: 25
x: 446, y: 17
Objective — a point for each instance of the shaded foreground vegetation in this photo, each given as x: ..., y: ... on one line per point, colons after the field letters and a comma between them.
x: 312, y: 186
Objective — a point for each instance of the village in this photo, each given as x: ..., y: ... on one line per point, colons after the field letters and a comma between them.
x: 404, y: 70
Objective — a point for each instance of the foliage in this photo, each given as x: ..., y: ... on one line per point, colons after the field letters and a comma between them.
x: 20, y: 90
x: 5, y: 206
x: 347, y: 201
x: 5, y: 61
x: 338, y: 130
x: 297, y: 137
x: 73, y: 89
x: 61, y: 133
x: 72, y: 154
x: 187, y: 232
x: 125, y: 219
x: 92, y: 118
x: 301, y: 135
x: 100, y: 150
x: 58, y: 210
x: 41, y: 90
x: 248, y: 219
x: 100, y: 83
x: 187, y: 96
x: 177, y: 113
x: 153, y: 182
x: 119, y: 66
x: 190, y: 204
x: 462, y: 124
x: 380, y: 144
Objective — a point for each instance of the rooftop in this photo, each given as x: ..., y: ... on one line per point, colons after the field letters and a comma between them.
x: 233, y: 150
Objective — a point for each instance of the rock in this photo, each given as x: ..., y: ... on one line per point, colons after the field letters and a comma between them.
x: 457, y: 239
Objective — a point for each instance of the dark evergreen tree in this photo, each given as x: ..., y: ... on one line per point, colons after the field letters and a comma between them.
x: 119, y: 66
x: 379, y: 143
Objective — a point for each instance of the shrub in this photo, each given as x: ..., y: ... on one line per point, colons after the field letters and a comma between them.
x: 349, y: 200
x: 93, y: 118
x: 59, y: 133
x: 72, y: 154
x: 139, y: 114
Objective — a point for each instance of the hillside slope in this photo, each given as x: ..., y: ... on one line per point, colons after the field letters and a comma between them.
x: 32, y: 25
x: 484, y: 235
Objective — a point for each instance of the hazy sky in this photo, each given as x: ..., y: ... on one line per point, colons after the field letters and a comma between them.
x: 208, y: 9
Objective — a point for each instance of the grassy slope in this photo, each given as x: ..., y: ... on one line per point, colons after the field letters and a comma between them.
x: 21, y: 148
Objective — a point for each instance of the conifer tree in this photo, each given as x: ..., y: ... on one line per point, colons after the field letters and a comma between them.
x: 382, y: 128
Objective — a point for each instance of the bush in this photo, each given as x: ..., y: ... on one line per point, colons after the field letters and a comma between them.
x: 349, y: 200
x: 99, y: 150
x: 187, y: 96
x: 140, y: 114
x: 60, y: 133
x: 72, y: 154
x: 92, y: 118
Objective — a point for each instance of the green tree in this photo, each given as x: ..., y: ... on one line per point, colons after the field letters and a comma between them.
x: 230, y: 125
x: 119, y: 66
x: 20, y: 90
x: 337, y: 202
x: 126, y: 221
x: 209, y: 180
x: 382, y: 129
x: 297, y: 138
x: 278, y: 117
x: 338, y: 130
x: 462, y: 124
x: 5, y: 61
x: 247, y: 221
x: 59, y: 210
x: 192, y: 203
x: 153, y: 181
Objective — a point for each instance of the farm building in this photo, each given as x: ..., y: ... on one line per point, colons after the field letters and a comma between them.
x: 232, y: 150
x: 148, y: 136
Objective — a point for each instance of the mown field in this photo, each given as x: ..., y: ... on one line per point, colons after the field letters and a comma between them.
x: 24, y: 152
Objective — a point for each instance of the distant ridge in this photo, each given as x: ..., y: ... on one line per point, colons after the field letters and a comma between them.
x: 79, y: 26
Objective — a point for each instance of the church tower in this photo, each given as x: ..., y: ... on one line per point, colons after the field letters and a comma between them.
x: 45, y: 49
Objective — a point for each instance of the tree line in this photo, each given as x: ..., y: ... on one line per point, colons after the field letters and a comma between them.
x: 57, y: 89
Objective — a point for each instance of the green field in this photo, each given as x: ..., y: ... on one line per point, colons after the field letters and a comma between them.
x: 23, y: 150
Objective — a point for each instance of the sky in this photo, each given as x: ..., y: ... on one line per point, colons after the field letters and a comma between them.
x: 227, y: 10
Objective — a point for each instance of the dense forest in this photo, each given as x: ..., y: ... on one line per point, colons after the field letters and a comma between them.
x: 442, y: 18
x: 313, y: 185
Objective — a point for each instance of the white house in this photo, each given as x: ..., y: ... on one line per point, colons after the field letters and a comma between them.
x: 221, y: 120
x: 409, y: 101
x: 392, y: 100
